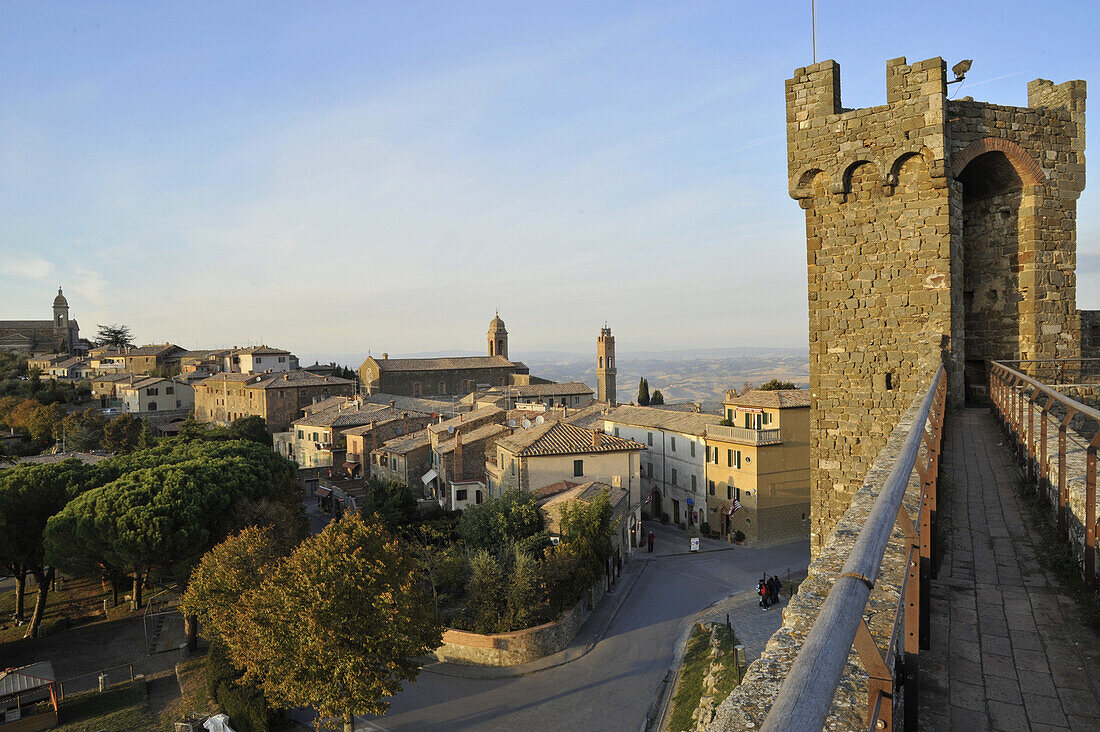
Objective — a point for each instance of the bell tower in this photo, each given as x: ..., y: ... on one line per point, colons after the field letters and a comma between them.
x: 498, y: 337
x: 61, y: 322
x: 605, y: 366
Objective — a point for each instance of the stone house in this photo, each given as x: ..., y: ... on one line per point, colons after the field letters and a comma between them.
x: 674, y: 466
x: 558, y: 451
x: 154, y: 394
x: 572, y: 395
x: 320, y: 437
x: 405, y: 459
x: 763, y: 462
x: 257, y: 360
x: 620, y: 511
x: 144, y: 359
x: 459, y: 464
x: 277, y: 397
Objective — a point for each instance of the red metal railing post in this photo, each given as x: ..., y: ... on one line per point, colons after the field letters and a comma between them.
x: 1063, y: 495
x: 1090, y: 513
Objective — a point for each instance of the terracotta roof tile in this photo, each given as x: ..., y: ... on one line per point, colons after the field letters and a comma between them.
x: 778, y: 399
x: 561, y: 438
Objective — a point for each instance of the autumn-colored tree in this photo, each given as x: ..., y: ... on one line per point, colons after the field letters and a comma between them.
x: 337, y: 626
x: 82, y: 431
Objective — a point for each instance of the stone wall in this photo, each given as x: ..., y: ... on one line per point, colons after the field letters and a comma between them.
x: 520, y: 646
x: 747, y: 707
x: 899, y: 200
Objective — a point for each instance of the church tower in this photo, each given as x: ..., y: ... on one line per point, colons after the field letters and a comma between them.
x: 605, y: 366
x: 61, y: 322
x: 498, y: 337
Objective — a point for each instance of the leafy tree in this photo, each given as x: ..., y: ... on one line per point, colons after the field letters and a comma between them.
x: 124, y: 434
x: 526, y: 600
x: 82, y: 431
x: 166, y: 371
x: 484, y: 598
x: 643, y: 393
x: 337, y: 626
x: 29, y: 496
x: 251, y: 429
x: 394, y: 503
x: 657, y: 398
x: 501, y: 521
x: 776, y: 385
x: 161, y: 508
x: 586, y: 528
x: 115, y: 335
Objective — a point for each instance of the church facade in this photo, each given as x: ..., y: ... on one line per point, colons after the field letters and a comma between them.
x: 60, y: 334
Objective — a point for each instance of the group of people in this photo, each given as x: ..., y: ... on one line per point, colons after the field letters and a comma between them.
x: 768, y: 589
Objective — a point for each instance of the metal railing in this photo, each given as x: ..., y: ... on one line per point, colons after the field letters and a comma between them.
x: 807, y: 694
x: 1016, y: 397
x: 744, y: 435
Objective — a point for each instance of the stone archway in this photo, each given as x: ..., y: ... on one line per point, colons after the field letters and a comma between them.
x: 997, y: 177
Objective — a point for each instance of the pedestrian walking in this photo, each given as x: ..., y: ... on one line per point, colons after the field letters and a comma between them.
x: 777, y: 585
x: 651, y: 538
x: 762, y: 590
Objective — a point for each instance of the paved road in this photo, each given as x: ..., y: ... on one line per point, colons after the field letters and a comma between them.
x: 611, y: 687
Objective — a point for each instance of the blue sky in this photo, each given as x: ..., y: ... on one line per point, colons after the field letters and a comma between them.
x: 338, y: 177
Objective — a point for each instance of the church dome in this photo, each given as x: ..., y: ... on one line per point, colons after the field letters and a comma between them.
x: 60, y: 301
x: 496, y: 324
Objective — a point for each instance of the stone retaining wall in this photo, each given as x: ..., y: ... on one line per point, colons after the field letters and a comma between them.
x: 520, y: 646
x: 747, y: 707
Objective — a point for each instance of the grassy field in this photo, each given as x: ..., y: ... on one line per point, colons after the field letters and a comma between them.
x: 120, y: 709
x: 78, y: 601
x: 689, y: 688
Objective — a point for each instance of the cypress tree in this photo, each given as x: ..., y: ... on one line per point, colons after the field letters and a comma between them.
x: 643, y: 392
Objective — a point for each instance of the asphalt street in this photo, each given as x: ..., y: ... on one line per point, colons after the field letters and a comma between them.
x: 612, y: 686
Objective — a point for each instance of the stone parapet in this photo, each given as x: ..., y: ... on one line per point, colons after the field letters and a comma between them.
x: 747, y: 707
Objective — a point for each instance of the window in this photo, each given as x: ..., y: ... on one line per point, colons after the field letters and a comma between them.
x: 649, y: 469
x: 299, y: 434
x: 616, y: 431
x: 710, y: 486
x: 178, y: 404
x: 259, y: 360
x: 752, y: 421
x: 578, y: 468
x: 649, y: 438
x: 152, y: 406
x: 151, y: 392
x: 693, y: 448
x: 169, y: 390
x: 733, y: 459
x: 416, y: 388
x: 729, y: 492
x: 282, y: 359
x: 673, y: 441
x: 460, y: 494
x: 693, y: 484
x: 443, y: 387
x: 674, y: 476
x: 729, y: 414
x: 768, y: 417
x: 513, y: 466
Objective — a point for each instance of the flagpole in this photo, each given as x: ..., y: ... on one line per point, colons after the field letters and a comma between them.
x: 813, y: 29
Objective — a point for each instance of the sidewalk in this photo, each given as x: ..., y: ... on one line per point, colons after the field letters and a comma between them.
x: 1008, y: 648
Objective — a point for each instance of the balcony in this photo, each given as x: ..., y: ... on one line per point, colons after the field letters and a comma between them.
x: 744, y: 435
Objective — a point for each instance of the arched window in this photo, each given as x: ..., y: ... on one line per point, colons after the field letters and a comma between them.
x: 152, y: 406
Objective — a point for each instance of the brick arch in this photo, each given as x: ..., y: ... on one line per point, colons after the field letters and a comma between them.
x: 849, y: 166
x: 1020, y: 158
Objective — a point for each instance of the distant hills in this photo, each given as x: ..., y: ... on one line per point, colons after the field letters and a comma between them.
x: 681, y: 375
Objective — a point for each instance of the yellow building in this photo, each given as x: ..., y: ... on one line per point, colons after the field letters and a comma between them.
x: 760, y: 457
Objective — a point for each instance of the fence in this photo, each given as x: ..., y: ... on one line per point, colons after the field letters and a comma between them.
x: 91, y: 681
x: 806, y: 696
x: 1017, y: 399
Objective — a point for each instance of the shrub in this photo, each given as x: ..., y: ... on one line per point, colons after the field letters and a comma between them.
x: 483, y: 592
x: 739, y: 535
x: 246, y: 706
x: 705, y: 527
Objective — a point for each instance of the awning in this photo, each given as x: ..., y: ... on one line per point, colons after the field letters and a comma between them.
x: 322, y: 492
x: 351, y: 463
x: 429, y: 476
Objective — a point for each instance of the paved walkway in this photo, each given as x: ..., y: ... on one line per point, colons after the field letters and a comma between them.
x: 1008, y: 649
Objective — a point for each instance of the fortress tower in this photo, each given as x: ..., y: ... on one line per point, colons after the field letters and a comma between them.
x: 937, y: 231
x: 498, y: 337
x: 605, y: 366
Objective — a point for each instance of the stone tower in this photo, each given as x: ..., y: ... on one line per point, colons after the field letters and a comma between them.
x: 498, y: 337
x: 61, y: 322
x: 937, y: 231
x: 605, y: 366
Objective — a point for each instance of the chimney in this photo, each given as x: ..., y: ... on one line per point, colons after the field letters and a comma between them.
x: 385, y: 356
x: 597, y: 438
x: 392, y: 402
x: 458, y: 456
x: 405, y: 421
x: 373, y: 437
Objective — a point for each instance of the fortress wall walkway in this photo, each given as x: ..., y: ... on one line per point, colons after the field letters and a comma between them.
x: 1008, y: 648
